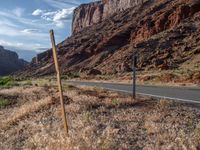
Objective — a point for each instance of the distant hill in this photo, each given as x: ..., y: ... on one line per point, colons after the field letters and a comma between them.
x: 10, y: 62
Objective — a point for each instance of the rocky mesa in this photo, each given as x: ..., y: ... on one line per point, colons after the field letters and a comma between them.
x: 93, y: 13
x: 163, y: 33
x: 10, y: 62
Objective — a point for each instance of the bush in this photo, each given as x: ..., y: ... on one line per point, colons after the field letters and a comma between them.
x: 28, y: 83
x: 70, y: 76
x: 69, y: 87
x: 198, y: 131
x: 7, y: 82
x: 4, y: 103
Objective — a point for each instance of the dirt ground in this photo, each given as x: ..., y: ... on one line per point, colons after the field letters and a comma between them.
x: 177, y: 78
x: 97, y: 119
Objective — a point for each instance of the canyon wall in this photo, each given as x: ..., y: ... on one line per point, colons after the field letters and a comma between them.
x: 9, y: 62
x: 89, y: 14
x: 165, y: 34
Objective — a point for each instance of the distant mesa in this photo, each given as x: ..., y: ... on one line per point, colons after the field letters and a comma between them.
x: 10, y: 62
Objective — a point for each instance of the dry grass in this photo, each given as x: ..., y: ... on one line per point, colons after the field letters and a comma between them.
x: 178, y: 77
x: 98, y: 119
x: 23, y: 111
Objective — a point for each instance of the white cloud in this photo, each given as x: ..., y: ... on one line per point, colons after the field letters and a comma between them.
x: 18, y: 12
x: 57, y: 17
x: 61, y: 4
x: 5, y: 43
x: 63, y: 14
x: 24, y: 21
x: 17, y: 31
x: 29, y: 31
x: 19, y: 44
x: 37, y: 12
x: 14, y: 44
x: 22, y: 46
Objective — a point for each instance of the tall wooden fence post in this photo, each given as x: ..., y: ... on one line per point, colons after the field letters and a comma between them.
x: 59, y: 80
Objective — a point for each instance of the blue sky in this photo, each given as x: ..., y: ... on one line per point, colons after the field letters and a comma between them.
x: 25, y: 24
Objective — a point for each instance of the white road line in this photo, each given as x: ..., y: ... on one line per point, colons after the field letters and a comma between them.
x: 158, y: 96
x: 171, y: 98
x: 151, y: 95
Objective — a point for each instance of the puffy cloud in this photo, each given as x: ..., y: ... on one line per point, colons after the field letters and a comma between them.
x: 37, y: 12
x: 63, y: 14
x: 5, y: 43
x: 57, y: 17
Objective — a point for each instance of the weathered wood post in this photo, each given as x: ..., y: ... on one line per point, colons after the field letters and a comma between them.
x: 59, y: 80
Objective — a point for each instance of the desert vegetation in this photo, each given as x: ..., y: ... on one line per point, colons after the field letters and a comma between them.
x: 176, y: 77
x: 6, y: 82
x: 106, y: 36
x: 30, y: 118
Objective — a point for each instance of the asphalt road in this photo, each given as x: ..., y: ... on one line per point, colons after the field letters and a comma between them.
x: 191, y: 95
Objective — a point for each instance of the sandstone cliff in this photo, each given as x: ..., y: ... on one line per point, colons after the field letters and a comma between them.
x: 9, y: 62
x: 165, y: 34
x: 93, y: 13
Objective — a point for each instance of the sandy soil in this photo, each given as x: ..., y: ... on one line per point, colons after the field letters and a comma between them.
x: 177, y: 78
x: 98, y: 119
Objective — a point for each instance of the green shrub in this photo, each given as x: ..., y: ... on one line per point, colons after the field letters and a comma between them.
x: 198, y: 131
x: 4, y: 102
x: 115, y: 102
x: 7, y: 82
x: 28, y: 83
x: 70, y: 75
x: 100, y: 90
x: 69, y: 87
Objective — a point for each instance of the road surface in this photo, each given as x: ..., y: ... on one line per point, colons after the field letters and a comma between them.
x: 191, y: 95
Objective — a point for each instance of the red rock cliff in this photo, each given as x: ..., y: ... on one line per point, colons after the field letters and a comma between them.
x: 88, y: 14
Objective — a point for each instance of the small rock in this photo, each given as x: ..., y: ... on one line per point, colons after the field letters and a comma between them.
x: 94, y: 72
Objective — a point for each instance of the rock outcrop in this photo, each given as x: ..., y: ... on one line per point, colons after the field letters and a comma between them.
x: 93, y: 13
x: 164, y: 34
x: 10, y: 62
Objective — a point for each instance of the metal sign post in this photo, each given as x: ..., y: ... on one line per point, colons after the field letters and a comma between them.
x: 134, y: 64
x: 134, y: 75
x: 59, y: 80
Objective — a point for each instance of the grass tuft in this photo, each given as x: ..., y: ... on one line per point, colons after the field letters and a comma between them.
x: 70, y: 76
x: 7, y: 82
x: 115, y: 102
x: 4, y: 103
x: 28, y: 83
x: 198, y: 131
x: 69, y: 87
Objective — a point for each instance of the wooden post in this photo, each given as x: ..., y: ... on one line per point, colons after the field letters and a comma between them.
x: 59, y: 80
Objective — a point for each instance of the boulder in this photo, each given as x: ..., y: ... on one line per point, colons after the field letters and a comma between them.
x: 94, y: 72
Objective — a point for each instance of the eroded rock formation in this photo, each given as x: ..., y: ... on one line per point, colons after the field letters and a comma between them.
x: 164, y: 33
x: 10, y: 62
x: 93, y: 13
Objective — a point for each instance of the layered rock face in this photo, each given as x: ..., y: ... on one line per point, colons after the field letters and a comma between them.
x: 93, y: 13
x: 9, y: 62
x: 164, y: 33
